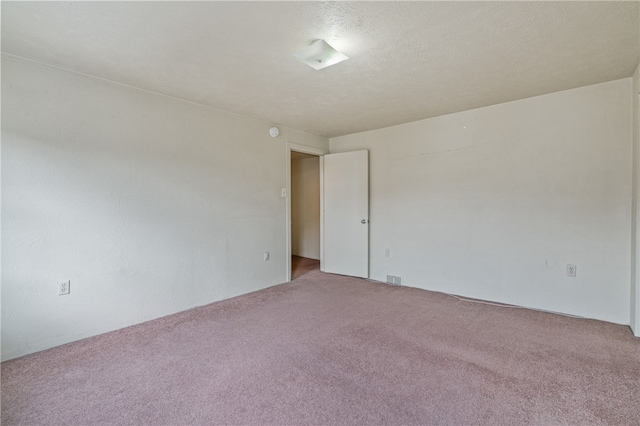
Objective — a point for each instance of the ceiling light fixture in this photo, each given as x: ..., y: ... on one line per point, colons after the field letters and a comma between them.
x: 320, y: 55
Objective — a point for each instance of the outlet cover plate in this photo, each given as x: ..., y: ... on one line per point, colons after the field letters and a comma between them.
x: 64, y: 287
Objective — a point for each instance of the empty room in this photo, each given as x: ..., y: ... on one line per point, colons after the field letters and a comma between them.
x: 291, y: 213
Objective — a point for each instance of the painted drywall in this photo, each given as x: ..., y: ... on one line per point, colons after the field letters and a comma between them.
x: 635, y: 219
x: 493, y: 203
x: 149, y: 205
x: 305, y: 208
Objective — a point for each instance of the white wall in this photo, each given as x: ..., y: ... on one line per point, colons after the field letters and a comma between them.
x: 148, y: 204
x: 635, y: 235
x: 493, y: 203
x: 305, y: 208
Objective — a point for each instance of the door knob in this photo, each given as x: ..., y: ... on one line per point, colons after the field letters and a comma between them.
x: 363, y: 221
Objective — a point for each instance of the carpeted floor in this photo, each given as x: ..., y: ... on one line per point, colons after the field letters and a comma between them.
x: 328, y: 349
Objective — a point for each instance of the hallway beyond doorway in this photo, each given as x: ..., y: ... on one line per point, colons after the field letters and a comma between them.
x: 301, y: 266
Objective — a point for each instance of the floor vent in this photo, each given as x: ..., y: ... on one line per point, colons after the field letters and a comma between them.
x: 394, y: 280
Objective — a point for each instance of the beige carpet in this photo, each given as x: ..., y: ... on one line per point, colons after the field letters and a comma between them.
x: 328, y: 349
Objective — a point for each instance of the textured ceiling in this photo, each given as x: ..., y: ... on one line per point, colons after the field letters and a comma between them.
x: 409, y: 60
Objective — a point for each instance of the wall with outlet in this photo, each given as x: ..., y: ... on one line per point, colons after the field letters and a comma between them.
x: 495, y: 202
x: 145, y: 204
x: 305, y: 207
x: 635, y: 232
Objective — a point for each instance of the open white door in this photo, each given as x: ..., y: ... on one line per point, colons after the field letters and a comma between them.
x: 345, y: 210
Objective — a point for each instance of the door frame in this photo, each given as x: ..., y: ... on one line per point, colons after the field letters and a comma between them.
x: 305, y: 149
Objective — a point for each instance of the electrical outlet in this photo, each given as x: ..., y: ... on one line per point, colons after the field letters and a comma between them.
x: 64, y: 288
x: 571, y: 270
x: 387, y: 252
x: 266, y: 256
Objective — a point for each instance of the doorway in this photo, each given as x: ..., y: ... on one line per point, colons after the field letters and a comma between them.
x: 297, y: 152
x: 305, y: 213
x: 343, y: 214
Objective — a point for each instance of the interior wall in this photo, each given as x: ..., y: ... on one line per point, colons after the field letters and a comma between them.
x: 635, y: 235
x: 149, y: 205
x: 305, y: 207
x: 493, y: 203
